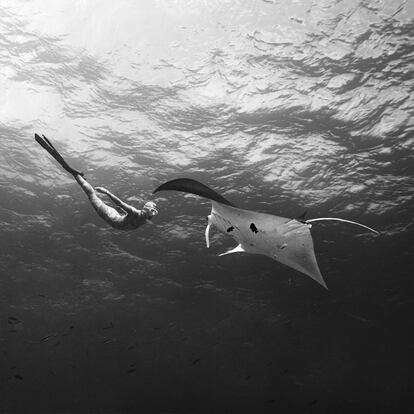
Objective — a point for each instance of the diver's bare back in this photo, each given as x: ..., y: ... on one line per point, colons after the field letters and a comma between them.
x: 130, y: 219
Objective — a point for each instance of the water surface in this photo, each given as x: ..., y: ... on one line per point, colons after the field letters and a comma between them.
x: 280, y: 106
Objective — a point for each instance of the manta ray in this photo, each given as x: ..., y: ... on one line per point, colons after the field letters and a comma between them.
x: 289, y: 241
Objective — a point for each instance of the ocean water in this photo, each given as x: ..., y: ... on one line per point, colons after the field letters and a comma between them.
x: 281, y: 106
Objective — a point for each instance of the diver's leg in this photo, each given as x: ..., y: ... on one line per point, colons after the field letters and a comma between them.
x: 90, y: 192
x: 109, y: 214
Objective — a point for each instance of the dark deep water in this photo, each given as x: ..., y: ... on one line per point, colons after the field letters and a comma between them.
x: 282, y: 106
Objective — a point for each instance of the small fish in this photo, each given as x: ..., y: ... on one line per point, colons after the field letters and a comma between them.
x: 357, y: 317
x: 12, y: 318
x: 196, y: 361
x: 131, y: 370
x: 19, y: 377
x: 111, y: 325
x: 47, y: 337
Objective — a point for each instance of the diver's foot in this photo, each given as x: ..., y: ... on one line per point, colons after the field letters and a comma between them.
x: 48, y: 146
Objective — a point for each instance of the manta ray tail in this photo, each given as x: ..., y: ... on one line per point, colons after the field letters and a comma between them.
x: 48, y: 146
x: 187, y: 185
x: 344, y: 221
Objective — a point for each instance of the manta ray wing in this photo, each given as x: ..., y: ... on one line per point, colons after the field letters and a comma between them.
x: 187, y: 185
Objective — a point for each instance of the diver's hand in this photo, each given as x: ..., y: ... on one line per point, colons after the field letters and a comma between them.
x: 101, y: 190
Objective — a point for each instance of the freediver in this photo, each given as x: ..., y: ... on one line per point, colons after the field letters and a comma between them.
x: 132, y: 217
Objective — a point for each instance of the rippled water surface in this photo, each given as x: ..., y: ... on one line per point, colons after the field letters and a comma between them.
x: 282, y: 106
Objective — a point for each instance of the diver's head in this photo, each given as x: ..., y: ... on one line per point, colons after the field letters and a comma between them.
x: 150, y: 209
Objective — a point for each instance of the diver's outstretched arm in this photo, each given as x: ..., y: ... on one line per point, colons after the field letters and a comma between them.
x: 128, y: 208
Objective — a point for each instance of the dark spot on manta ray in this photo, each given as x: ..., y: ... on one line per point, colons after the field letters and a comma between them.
x: 231, y: 228
x: 253, y: 228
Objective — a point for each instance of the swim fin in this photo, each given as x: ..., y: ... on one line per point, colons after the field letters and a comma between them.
x: 48, y: 146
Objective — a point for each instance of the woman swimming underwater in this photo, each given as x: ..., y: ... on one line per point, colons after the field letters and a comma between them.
x: 132, y: 217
